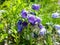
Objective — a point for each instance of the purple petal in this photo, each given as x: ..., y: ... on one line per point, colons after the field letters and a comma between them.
x: 55, y: 15
x: 38, y: 20
x: 24, y: 23
x: 20, y: 28
x: 57, y: 27
x: 31, y: 19
x: 19, y: 22
x: 40, y: 26
x: 24, y: 13
x: 43, y: 31
x: 36, y: 6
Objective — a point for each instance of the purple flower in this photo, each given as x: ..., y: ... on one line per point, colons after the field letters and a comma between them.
x: 19, y: 22
x: 42, y: 31
x: 19, y: 26
x: 57, y: 27
x: 58, y: 31
x: 55, y: 15
x: 36, y: 6
x: 24, y: 23
x: 31, y: 19
x: 38, y: 20
x: 24, y: 13
x: 40, y: 26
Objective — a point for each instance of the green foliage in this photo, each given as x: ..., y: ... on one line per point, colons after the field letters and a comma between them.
x: 9, y: 18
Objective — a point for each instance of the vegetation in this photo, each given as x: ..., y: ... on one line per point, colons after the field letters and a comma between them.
x: 10, y: 14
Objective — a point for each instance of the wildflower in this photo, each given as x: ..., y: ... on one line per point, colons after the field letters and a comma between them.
x: 40, y: 26
x: 35, y: 6
x: 38, y: 20
x: 19, y: 26
x: 24, y: 23
x: 58, y: 31
x: 55, y: 15
x: 43, y: 31
x: 19, y: 22
x: 24, y: 13
x: 57, y: 27
x: 31, y: 19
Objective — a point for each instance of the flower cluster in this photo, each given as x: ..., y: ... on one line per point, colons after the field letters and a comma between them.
x: 21, y: 25
x: 32, y: 19
x: 31, y: 15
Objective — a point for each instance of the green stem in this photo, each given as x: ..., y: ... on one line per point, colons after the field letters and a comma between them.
x: 30, y: 34
x: 49, y: 39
